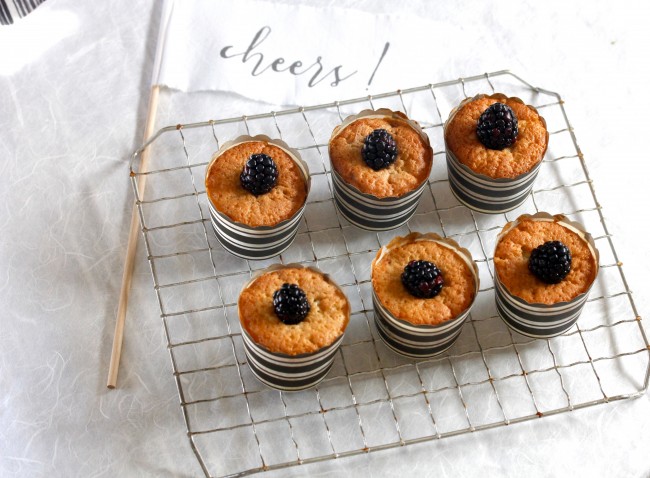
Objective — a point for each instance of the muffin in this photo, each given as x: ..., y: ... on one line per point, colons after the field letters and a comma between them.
x: 423, y: 287
x: 544, y: 268
x: 495, y: 146
x: 381, y: 162
x: 293, y: 319
x: 257, y: 189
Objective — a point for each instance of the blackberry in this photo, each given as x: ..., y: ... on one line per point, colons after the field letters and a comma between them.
x: 551, y: 262
x: 498, y: 127
x: 379, y: 149
x: 290, y: 304
x: 422, y: 279
x: 260, y: 174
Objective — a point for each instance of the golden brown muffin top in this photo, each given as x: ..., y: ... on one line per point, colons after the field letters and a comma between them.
x: 410, y: 169
x: 455, y: 297
x: 326, y: 321
x: 521, y: 157
x: 229, y: 197
x: 514, y: 249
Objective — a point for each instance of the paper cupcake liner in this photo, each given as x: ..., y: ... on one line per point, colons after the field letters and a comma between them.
x: 367, y: 211
x: 261, y: 242
x: 483, y: 193
x: 371, y: 213
x: 289, y: 372
x: 421, y: 341
x: 542, y: 320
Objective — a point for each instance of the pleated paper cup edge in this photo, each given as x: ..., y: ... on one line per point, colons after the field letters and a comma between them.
x: 277, y: 267
x: 496, y: 96
x: 499, y: 181
x: 293, y: 154
x: 382, y: 113
x: 444, y: 241
x: 372, y: 197
x: 573, y: 226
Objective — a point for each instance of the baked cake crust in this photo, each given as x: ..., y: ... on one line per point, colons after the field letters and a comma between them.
x: 408, y: 172
x: 228, y: 196
x: 461, y: 139
x: 457, y: 293
x: 327, y: 319
x: 514, y: 249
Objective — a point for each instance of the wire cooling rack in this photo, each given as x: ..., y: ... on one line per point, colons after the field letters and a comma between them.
x: 373, y: 399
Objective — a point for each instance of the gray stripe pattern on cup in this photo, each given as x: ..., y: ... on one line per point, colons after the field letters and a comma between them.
x: 537, y: 320
x: 11, y: 10
x: 487, y: 195
x: 416, y: 341
x: 255, y: 244
x: 256, y: 237
x: 246, y: 251
x: 372, y: 213
x: 289, y: 372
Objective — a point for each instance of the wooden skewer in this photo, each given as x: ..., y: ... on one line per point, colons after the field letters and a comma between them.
x: 131, y: 248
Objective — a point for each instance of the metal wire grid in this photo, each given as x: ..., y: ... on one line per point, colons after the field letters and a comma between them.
x: 373, y: 399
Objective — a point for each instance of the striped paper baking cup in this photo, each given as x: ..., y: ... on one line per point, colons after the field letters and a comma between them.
x: 371, y: 213
x: 262, y: 242
x: 542, y: 320
x: 421, y: 341
x: 483, y: 193
x: 290, y: 372
x: 367, y: 211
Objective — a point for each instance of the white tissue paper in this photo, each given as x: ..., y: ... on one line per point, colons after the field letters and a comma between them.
x: 258, y: 50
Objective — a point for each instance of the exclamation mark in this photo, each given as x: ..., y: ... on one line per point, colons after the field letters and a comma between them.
x: 383, y: 54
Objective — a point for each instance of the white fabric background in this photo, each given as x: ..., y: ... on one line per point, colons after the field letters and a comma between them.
x: 74, y: 84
